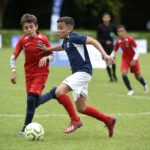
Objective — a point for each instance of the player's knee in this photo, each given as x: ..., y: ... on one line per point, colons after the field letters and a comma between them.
x: 124, y: 74
x: 81, y: 109
x: 58, y: 92
x: 137, y: 77
x: 31, y: 100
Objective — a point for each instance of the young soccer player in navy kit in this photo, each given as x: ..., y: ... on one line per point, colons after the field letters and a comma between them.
x: 36, y: 75
x: 130, y: 60
x: 75, y: 46
x: 105, y: 32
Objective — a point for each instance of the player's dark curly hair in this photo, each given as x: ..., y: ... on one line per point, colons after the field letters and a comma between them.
x: 67, y: 20
x: 28, y: 18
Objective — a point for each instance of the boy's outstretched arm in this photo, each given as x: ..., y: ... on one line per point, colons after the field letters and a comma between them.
x: 109, y: 60
x: 13, y: 67
x: 44, y: 48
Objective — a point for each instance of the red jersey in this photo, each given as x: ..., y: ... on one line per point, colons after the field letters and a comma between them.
x: 127, y: 47
x: 32, y: 53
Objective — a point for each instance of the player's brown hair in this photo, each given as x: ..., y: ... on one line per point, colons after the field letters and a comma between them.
x: 121, y: 26
x: 66, y: 20
x: 28, y: 18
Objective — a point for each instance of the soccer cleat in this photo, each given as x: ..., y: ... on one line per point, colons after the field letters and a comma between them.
x: 115, y: 78
x: 73, y: 126
x: 146, y: 88
x: 131, y: 92
x: 21, y: 133
x: 111, y: 79
x: 111, y: 125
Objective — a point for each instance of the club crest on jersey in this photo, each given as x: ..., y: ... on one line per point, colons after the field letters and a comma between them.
x: 127, y: 45
x: 39, y: 42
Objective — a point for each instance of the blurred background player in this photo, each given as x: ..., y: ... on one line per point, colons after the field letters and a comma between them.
x: 105, y: 32
x: 36, y: 75
x: 130, y: 60
x: 75, y: 46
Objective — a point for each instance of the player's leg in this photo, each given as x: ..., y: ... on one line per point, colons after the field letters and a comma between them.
x: 92, y: 112
x: 108, y: 68
x: 46, y: 97
x: 67, y: 103
x: 125, y: 64
x: 114, y: 72
x: 34, y: 87
x: 31, y: 103
x: 127, y: 82
x: 136, y: 71
x: 143, y: 82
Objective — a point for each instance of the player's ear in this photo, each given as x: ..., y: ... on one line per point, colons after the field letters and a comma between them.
x: 37, y: 26
x: 70, y: 28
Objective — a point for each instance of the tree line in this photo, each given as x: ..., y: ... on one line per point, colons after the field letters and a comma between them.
x: 87, y: 13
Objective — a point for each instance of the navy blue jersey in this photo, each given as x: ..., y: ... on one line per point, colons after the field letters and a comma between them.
x: 75, y: 47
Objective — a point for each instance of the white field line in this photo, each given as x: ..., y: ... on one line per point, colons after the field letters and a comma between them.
x: 133, y: 96
x: 64, y: 115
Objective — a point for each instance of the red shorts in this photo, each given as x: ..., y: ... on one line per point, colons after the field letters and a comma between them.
x: 35, y: 83
x: 125, y: 65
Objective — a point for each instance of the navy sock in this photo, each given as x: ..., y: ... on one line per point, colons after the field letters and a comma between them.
x: 127, y: 82
x: 142, y: 81
x: 114, y: 70
x: 46, y: 97
x: 31, y: 102
x: 109, y: 72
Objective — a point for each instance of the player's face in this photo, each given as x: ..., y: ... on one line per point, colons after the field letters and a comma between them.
x: 30, y: 29
x: 106, y: 19
x: 122, y: 33
x: 63, y: 30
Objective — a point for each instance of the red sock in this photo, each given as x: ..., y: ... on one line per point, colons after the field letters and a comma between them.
x: 90, y: 111
x: 67, y: 103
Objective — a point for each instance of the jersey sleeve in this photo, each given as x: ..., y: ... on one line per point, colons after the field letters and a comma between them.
x: 79, y: 39
x: 116, y: 46
x: 18, y: 49
x: 133, y: 42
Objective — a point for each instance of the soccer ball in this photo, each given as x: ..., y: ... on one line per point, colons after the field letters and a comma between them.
x: 34, y: 132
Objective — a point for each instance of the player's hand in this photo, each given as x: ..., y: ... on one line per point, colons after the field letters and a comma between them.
x: 43, y: 61
x: 43, y: 47
x: 132, y: 64
x: 14, y: 77
x: 108, y: 42
x: 109, y: 60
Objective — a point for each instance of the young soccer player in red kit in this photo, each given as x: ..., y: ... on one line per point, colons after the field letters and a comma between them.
x: 36, y: 75
x: 130, y: 60
x: 75, y: 46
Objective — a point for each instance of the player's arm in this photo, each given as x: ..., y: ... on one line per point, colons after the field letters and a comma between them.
x: 49, y: 56
x: 109, y: 60
x: 13, y: 69
x: 44, y: 48
x: 113, y: 53
x: 135, y: 57
x: 13, y: 59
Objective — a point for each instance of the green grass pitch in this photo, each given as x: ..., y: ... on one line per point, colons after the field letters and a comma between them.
x: 132, y: 130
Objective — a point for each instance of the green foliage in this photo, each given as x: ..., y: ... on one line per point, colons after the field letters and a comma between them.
x: 96, y: 6
x: 131, y: 130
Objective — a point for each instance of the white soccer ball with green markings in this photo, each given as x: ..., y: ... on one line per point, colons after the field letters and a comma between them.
x: 34, y: 132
